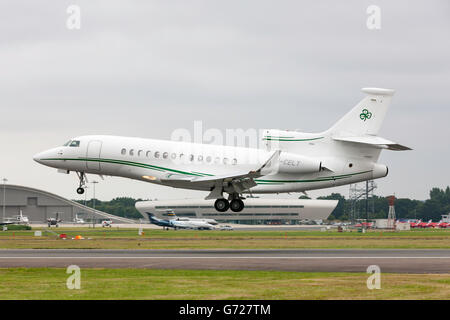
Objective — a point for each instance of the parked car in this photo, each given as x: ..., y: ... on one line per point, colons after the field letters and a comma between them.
x: 107, y: 223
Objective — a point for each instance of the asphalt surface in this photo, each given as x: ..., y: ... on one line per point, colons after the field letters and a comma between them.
x: 333, y: 260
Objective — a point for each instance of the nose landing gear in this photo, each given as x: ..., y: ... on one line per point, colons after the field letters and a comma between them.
x: 82, y: 177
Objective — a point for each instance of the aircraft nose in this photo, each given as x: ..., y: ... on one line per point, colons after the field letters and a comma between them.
x: 44, y: 156
x: 38, y: 157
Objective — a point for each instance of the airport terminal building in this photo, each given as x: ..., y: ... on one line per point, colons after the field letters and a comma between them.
x: 39, y: 205
x: 256, y: 210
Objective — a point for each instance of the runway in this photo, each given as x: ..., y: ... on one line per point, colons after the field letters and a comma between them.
x: 323, y: 260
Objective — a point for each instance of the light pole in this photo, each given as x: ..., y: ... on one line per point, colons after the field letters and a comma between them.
x: 93, y: 204
x: 4, y: 196
x: 367, y: 201
x: 85, y: 196
x: 85, y: 214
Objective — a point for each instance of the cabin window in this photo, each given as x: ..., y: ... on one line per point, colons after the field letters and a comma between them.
x: 165, y: 155
x: 157, y: 154
x: 200, y: 158
x: 74, y: 143
x: 148, y: 154
x: 124, y: 151
x: 140, y: 153
x: 131, y: 152
x: 234, y: 161
x: 225, y: 160
x: 217, y: 160
x: 208, y: 159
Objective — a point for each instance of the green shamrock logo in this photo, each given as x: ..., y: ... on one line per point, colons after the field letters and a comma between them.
x: 365, y: 115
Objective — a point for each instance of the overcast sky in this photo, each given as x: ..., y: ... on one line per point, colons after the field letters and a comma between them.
x: 146, y: 68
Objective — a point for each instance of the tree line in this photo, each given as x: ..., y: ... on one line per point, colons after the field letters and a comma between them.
x: 121, y: 206
x: 405, y: 208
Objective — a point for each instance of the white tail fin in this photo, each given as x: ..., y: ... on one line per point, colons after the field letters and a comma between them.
x: 368, y: 115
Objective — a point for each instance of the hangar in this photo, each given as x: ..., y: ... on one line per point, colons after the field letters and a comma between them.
x: 39, y: 205
x: 256, y: 211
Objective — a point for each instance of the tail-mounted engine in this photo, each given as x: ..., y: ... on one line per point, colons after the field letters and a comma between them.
x: 294, y: 163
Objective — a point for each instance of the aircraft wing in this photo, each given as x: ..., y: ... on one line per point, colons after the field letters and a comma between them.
x: 5, y: 223
x: 241, y: 180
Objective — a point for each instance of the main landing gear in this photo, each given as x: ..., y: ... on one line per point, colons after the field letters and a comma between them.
x: 82, y: 177
x: 236, y: 204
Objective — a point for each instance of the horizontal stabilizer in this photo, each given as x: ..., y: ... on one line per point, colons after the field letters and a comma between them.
x: 374, y: 141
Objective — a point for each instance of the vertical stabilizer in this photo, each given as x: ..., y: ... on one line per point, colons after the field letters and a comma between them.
x: 367, y: 116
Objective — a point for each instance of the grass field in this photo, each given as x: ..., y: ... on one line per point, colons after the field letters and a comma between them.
x: 189, y: 239
x: 48, y: 283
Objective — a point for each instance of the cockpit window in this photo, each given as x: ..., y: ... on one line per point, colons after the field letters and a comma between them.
x: 67, y: 143
x: 75, y: 143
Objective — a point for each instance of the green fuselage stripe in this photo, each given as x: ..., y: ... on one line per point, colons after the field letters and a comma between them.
x: 129, y: 163
x: 269, y: 138
x: 343, y: 176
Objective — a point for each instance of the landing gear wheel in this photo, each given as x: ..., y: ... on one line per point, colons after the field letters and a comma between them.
x: 236, y: 205
x: 82, y: 178
x: 221, y: 205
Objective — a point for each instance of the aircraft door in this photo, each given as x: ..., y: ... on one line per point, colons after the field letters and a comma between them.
x: 93, y: 155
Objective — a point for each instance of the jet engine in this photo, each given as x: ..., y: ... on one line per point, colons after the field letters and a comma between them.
x: 294, y: 163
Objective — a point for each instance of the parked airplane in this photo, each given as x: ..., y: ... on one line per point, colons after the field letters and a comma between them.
x: 367, y: 225
x: 179, y: 223
x: 19, y: 219
x: 291, y: 161
x: 107, y: 223
x: 78, y: 220
x: 171, y: 213
x: 54, y: 221
x: 165, y: 223
x: 415, y: 224
x: 429, y: 224
x: 433, y: 224
x: 443, y: 224
x: 424, y: 224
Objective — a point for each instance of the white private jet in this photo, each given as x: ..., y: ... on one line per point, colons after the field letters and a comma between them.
x: 291, y: 161
x: 19, y: 219
x: 180, y: 223
x: 78, y: 220
x: 172, y: 215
